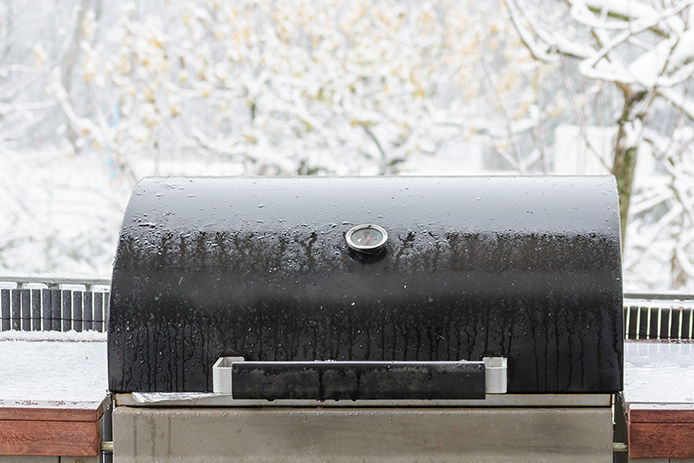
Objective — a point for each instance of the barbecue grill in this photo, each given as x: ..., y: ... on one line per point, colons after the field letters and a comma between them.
x: 486, y: 295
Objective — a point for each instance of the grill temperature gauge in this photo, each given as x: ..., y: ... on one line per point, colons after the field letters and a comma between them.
x: 368, y: 238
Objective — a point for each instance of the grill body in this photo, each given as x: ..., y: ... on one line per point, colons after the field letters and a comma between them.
x: 526, y: 268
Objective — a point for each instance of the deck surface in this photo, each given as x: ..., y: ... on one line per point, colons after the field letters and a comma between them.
x: 659, y: 399
x: 51, y: 396
x: 52, y: 391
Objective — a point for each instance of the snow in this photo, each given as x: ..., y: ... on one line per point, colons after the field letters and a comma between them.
x: 668, y: 55
x: 55, y: 336
x: 58, y: 209
x: 659, y: 372
x: 65, y: 231
x: 59, y: 370
x: 640, y: 57
x: 90, y: 101
x: 625, y: 8
x: 679, y: 101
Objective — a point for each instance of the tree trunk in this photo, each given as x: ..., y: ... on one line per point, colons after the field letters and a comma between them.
x: 625, y: 155
x: 623, y: 170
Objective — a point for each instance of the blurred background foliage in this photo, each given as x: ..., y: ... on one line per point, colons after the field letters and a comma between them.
x: 94, y: 95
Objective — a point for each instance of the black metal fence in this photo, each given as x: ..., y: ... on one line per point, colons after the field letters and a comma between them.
x: 45, y: 303
x: 667, y: 316
x: 48, y: 303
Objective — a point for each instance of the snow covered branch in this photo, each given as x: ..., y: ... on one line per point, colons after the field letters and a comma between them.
x: 642, y: 54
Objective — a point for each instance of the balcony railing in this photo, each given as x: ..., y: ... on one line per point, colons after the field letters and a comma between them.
x: 57, y: 303
x: 52, y: 303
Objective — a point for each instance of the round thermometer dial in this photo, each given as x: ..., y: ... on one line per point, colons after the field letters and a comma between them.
x: 366, y: 238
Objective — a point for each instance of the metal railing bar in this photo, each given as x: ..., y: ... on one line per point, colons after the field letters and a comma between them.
x: 51, y: 280
x: 659, y: 295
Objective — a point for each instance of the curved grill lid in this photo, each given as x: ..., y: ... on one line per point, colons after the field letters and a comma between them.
x: 522, y: 267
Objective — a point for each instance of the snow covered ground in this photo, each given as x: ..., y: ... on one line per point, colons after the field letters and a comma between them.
x: 51, y: 366
x: 659, y: 372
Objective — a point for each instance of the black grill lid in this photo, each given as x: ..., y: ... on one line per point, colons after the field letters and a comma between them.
x: 522, y: 267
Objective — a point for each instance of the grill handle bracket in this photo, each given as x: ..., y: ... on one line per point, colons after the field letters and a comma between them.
x: 495, y: 374
x: 349, y: 380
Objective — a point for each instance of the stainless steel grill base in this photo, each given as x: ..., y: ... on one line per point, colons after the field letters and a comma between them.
x: 346, y: 434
